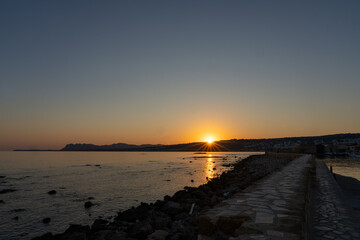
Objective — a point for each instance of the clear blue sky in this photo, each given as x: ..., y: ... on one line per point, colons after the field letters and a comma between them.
x: 176, y: 71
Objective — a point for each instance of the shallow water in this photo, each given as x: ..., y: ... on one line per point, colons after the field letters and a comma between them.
x: 349, y: 167
x: 115, y: 181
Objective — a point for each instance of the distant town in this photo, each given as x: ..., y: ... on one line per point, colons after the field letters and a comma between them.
x: 334, y: 145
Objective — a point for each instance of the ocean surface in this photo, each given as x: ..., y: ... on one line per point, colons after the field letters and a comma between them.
x: 349, y: 167
x: 113, y: 181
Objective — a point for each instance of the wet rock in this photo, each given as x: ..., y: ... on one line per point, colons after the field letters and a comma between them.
x: 205, y: 226
x: 158, y: 235
x: 99, y: 224
x: 199, y: 194
x: 133, y: 214
x: 90, y: 198
x: 77, y: 228
x: 52, y: 192
x: 2, y: 176
x: 16, y: 218
x: 181, y: 195
x: 158, y: 219
x: 46, y: 220
x: 88, y: 204
x: 172, y: 208
x: 1, y: 201
x: 7, y: 190
x: 140, y: 229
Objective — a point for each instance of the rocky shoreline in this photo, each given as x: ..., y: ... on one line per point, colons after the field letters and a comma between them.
x: 176, y: 217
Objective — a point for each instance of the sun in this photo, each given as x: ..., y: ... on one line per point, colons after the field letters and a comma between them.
x: 209, y: 140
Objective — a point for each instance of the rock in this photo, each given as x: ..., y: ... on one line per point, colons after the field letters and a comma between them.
x: 158, y: 235
x: 133, y: 214
x: 46, y: 220
x: 88, y: 204
x: 99, y: 224
x: 1, y: 201
x: 199, y: 194
x: 16, y: 218
x: 158, y: 219
x: 206, y: 227
x: 7, y: 190
x: 2, y: 176
x: 181, y: 195
x: 77, y: 228
x: 90, y: 198
x: 141, y: 229
x: 172, y: 208
x: 52, y: 192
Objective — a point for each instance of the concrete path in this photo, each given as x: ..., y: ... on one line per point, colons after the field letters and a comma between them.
x: 331, y: 216
x: 273, y: 208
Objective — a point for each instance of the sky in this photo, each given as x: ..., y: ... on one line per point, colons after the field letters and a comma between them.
x: 165, y: 72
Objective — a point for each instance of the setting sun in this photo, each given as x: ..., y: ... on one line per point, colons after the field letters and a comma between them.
x: 209, y: 140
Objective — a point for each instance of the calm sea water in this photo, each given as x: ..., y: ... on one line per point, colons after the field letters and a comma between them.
x: 349, y: 167
x: 115, y: 181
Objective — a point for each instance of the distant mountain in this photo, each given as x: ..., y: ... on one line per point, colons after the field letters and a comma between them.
x: 268, y: 144
x: 92, y: 147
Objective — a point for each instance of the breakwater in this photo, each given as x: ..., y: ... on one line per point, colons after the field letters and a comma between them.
x: 264, y: 197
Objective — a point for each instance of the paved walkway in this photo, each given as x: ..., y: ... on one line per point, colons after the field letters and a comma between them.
x: 331, y: 216
x: 273, y: 208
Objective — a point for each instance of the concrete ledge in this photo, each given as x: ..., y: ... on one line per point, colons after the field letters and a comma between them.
x: 331, y: 215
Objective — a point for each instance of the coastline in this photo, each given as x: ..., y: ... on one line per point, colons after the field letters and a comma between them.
x: 176, y: 217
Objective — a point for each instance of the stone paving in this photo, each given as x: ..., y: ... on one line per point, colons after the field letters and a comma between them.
x: 331, y: 216
x: 272, y: 208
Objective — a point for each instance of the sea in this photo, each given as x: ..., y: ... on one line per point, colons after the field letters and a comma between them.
x: 112, y: 181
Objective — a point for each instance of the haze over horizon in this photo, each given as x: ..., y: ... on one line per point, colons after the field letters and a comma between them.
x: 166, y: 72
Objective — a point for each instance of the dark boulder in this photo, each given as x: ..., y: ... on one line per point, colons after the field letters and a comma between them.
x: 77, y: 228
x: 133, y: 214
x: 99, y: 224
x: 172, y: 208
x: 88, y: 204
x: 140, y: 230
x: 46, y: 220
x: 52, y: 192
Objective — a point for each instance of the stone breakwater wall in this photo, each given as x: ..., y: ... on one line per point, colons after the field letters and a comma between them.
x: 272, y: 208
x: 331, y: 217
x: 178, y: 217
